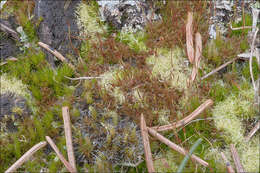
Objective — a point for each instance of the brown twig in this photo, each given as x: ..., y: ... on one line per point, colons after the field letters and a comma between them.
x: 219, y: 68
x: 25, y: 157
x: 251, y: 60
x: 176, y: 147
x: 229, y: 167
x: 236, y: 159
x: 252, y: 132
x: 55, y: 53
x: 8, y: 59
x: 198, y: 45
x: 83, y: 78
x: 187, y: 119
x: 189, y: 38
x: 57, y: 151
x: 68, y: 136
x: 6, y: 29
x: 147, y: 149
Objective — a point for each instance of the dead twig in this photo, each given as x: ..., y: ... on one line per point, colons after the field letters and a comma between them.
x: 25, y: 157
x: 236, y: 159
x: 68, y: 136
x: 55, y: 53
x: 251, y: 61
x: 239, y: 28
x: 83, y: 78
x: 189, y: 38
x: 229, y: 167
x: 8, y: 59
x: 219, y: 68
x: 8, y: 30
x: 176, y: 147
x: 147, y: 149
x: 198, y: 45
x: 252, y: 132
x: 187, y: 119
x: 57, y: 151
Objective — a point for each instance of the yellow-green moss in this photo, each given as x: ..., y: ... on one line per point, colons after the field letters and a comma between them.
x: 170, y: 66
x: 229, y: 116
x: 88, y: 20
x: 134, y: 40
x: 9, y: 84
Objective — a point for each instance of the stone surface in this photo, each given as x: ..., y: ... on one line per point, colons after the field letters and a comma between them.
x: 8, y: 45
x: 54, y: 30
x: 128, y: 14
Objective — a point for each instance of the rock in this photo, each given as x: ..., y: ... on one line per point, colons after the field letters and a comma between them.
x: 223, y: 12
x: 8, y: 45
x: 54, y: 30
x: 15, y: 102
x: 128, y: 14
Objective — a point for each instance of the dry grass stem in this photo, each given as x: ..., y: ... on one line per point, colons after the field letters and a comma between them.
x: 198, y: 45
x: 83, y: 78
x: 55, y: 53
x: 147, y: 149
x: 229, y: 167
x: 239, y: 28
x: 8, y: 59
x: 219, y: 68
x: 187, y: 119
x: 175, y: 146
x: 8, y: 30
x: 251, y: 61
x: 189, y: 38
x: 68, y: 136
x: 57, y: 151
x: 236, y: 159
x: 25, y: 157
x: 252, y: 132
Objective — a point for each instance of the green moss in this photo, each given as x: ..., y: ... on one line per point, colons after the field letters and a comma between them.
x: 248, y: 22
x: 135, y: 41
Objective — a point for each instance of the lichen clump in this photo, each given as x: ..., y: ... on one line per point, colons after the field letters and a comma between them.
x: 229, y: 117
x: 170, y: 66
x: 13, y: 85
x: 88, y: 20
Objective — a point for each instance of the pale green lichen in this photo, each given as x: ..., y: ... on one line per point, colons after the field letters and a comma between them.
x: 9, y: 84
x: 163, y: 118
x: 170, y: 66
x: 110, y: 77
x: 118, y: 95
x: 167, y: 163
x: 87, y: 20
x: 229, y: 116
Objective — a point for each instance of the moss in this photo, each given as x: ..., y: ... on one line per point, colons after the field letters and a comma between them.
x: 167, y: 163
x: 229, y: 117
x: 135, y: 41
x: 88, y: 20
x: 248, y: 22
x: 170, y: 66
x: 10, y: 84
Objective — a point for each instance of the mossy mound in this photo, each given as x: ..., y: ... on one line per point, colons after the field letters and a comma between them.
x: 230, y: 116
x: 105, y: 136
